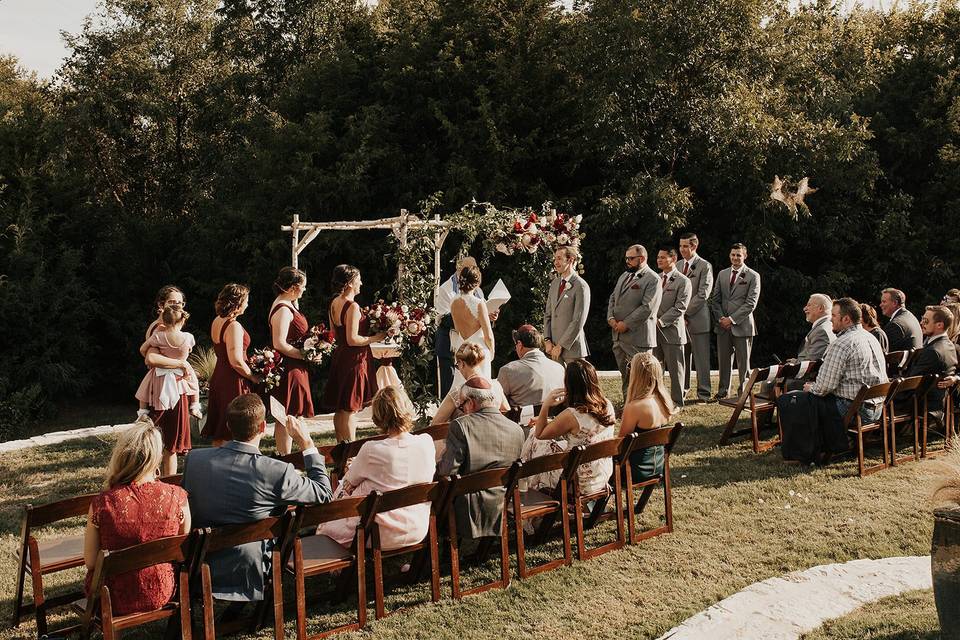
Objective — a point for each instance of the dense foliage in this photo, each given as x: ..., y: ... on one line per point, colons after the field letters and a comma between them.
x: 180, y: 134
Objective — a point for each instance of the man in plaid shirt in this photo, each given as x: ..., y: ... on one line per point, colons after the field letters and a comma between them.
x: 852, y: 361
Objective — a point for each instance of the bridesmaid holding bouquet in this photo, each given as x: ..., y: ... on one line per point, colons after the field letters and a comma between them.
x: 232, y: 376
x: 288, y: 328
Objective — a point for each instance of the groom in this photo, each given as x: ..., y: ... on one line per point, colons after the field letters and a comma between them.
x: 566, y: 312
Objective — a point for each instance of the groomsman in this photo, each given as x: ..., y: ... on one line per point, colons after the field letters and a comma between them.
x: 632, y: 310
x: 734, y: 299
x: 697, y: 316
x: 671, y: 333
x: 567, y: 306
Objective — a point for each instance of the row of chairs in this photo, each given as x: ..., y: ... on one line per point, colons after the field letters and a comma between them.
x: 904, y: 404
x: 303, y: 556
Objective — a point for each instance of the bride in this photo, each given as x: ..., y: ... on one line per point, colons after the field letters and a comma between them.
x: 471, y: 321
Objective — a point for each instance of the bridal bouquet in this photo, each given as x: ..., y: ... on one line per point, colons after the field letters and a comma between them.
x: 550, y: 230
x: 265, y: 363
x: 318, y: 344
x: 387, y: 317
x: 417, y: 325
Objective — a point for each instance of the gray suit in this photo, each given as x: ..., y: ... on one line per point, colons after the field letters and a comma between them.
x: 671, y: 332
x: 565, y: 316
x: 697, y: 349
x: 635, y: 300
x: 738, y: 303
x: 481, y: 440
x: 816, y: 343
x: 903, y: 331
x: 234, y: 484
x: 526, y: 381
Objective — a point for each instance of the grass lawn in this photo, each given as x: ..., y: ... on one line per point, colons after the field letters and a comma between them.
x: 739, y: 518
x: 909, y: 616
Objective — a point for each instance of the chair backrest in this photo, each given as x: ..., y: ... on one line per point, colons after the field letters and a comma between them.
x: 908, y: 385
x: 897, y: 361
x: 309, y: 516
x: 883, y: 390
x: 665, y: 436
x: 805, y: 369
x: 549, y: 462
x: 176, y: 479
x: 343, y: 451
x: 480, y: 480
x: 232, y: 535
x: 436, y: 431
x: 55, y: 511
x: 603, y: 449
x: 432, y: 492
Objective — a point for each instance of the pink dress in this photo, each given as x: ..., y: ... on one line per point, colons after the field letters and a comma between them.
x: 161, y: 388
x: 384, y: 465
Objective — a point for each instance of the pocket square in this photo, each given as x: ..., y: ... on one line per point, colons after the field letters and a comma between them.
x: 636, y: 286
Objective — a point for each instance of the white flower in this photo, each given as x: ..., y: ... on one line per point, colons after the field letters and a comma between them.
x: 502, y: 248
x: 551, y: 237
x: 578, y: 218
x: 426, y: 319
x: 392, y: 316
x: 404, y: 309
x: 268, y: 354
x: 563, y: 238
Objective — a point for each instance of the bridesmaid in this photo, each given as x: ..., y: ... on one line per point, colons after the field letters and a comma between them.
x: 288, y: 327
x: 232, y: 376
x: 349, y: 386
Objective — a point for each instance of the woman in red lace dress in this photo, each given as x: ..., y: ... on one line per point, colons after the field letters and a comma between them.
x: 349, y: 386
x: 232, y: 376
x: 288, y: 328
x: 134, y: 508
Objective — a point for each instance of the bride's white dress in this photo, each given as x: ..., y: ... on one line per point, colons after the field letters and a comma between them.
x: 473, y: 304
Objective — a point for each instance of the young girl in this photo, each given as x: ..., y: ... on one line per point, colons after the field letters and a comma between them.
x: 161, y: 388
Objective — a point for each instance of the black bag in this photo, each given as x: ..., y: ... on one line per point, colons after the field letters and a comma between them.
x: 799, y: 419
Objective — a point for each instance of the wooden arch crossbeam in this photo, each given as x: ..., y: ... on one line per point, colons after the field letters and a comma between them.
x: 398, y: 225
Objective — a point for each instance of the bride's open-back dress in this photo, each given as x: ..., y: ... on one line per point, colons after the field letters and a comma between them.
x: 473, y: 304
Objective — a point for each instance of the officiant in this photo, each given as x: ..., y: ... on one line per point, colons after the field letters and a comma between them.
x: 445, y: 325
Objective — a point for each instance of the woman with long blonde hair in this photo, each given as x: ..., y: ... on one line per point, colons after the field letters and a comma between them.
x: 133, y: 508
x: 647, y: 406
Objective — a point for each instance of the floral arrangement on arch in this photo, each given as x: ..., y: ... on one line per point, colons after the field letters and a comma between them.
x: 404, y: 325
x: 318, y: 344
x: 550, y: 230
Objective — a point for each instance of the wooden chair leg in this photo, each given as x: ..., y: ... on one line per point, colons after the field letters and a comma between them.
x: 361, y: 562
x: 106, y: 615
x: 567, y: 550
x: 209, y: 632
x: 434, y: 561
x: 277, y: 570
x: 504, y: 551
x: 860, y: 460
x: 453, y: 544
x: 755, y: 430
x: 578, y: 515
x: 518, y: 531
x: 36, y: 580
x: 628, y: 501
x: 668, y: 500
x: 186, y: 622
x: 378, y: 598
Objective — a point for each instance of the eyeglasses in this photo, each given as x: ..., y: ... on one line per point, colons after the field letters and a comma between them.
x: 629, y: 258
x: 460, y: 405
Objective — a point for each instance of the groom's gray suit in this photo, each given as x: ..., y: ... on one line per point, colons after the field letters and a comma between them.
x: 635, y: 300
x: 671, y: 332
x: 738, y: 303
x: 565, y: 315
x: 697, y: 349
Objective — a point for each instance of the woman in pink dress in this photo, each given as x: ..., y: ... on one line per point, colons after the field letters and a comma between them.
x: 400, y: 460
x: 288, y: 328
x: 135, y: 508
x: 172, y: 395
x: 232, y: 376
x: 350, y: 385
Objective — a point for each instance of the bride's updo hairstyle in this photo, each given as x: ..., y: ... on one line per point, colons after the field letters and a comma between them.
x: 288, y: 278
x: 469, y: 278
x: 470, y: 354
x: 343, y: 274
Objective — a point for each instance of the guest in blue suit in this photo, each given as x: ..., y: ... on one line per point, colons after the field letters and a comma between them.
x: 235, y: 483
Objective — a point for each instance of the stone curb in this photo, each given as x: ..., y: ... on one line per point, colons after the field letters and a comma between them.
x: 785, y: 607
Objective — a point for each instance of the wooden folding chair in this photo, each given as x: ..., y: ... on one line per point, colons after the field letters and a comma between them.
x: 855, y: 425
x: 897, y: 362
x: 667, y: 438
x: 176, y: 479
x: 950, y: 401
x: 531, y: 503
x: 913, y: 392
x: 434, y: 493
x: 314, y: 555
x: 757, y: 404
x: 517, y: 411
x: 220, y: 538
x: 97, y: 610
x: 296, y: 459
x: 439, y: 434
x: 615, y: 450
x: 41, y: 557
x: 461, y: 486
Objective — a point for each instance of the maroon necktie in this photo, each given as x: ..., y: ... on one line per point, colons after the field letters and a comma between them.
x: 733, y: 277
x: 663, y: 282
x: 686, y: 267
x: 563, y: 285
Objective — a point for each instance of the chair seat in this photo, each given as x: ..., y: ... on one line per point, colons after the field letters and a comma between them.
x: 732, y: 401
x: 59, y: 553
x: 533, y: 500
x: 319, y: 551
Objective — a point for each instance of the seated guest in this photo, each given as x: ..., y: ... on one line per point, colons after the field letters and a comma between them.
x: 400, y: 460
x: 872, y: 326
x: 939, y: 354
x: 903, y: 330
x: 852, y: 361
x: 953, y: 295
x: 588, y: 418
x: 817, y: 313
x: 529, y: 379
x: 954, y: 331
x: 481, y: 438
x: 468, y: 360
x: 647, y: 407
x: 135, y: 508
x: 235, y: 483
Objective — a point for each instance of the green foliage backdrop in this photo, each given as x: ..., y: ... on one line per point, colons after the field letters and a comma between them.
x: 180, y: 134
